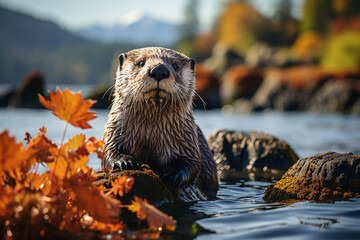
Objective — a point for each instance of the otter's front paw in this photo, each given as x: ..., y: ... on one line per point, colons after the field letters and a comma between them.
x: 175, y: 176
x: 126, y: 162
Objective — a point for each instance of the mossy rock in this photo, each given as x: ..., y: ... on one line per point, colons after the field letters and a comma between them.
x: 249, y: 153
x: 325, y: 177
x: 148, y: 185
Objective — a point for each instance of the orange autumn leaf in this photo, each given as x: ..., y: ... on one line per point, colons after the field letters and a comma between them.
x: 121, y: 185
x: 43, y: 147
x: 12, y: 154
x: 106, y: 228
x: 70, y: 107
x: 68, y: 165
x: 94, y: 145
x: 101, y: 207
x: 154, y: 217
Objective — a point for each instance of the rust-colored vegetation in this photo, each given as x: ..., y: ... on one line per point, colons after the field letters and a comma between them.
x: 62, y: 201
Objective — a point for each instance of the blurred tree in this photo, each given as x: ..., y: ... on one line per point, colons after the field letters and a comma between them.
x: 316, y: 15
x: 283, y: 11
x: 238, y: 25
x: 346, y: 8
x: 189, y: 28
x: 342, y: 52
x: 285, y: 26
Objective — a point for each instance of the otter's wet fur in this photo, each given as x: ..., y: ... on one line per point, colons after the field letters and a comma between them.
x: 151, y: 119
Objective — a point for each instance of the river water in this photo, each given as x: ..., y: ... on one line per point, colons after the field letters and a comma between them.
x: 239, y: 211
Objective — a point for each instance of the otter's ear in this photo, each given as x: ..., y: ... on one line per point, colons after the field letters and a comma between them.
x: 122, y: 58
x: 192, y: 63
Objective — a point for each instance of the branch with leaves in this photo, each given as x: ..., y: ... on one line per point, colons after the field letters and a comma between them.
x: 62, y: 201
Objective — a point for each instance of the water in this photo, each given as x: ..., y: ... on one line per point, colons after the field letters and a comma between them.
x: 239, y: 211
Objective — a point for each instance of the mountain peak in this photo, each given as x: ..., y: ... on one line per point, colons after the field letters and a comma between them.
x: 135, y: 27
x: 132, y: 17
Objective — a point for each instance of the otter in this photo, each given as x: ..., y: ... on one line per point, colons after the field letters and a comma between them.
x: 151, y: 120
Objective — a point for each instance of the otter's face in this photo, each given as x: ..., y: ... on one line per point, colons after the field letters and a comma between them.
x: 156, y: 74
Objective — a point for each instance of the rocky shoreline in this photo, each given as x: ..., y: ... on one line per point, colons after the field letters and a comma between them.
x: 254, y: 155
x: 240, y: 88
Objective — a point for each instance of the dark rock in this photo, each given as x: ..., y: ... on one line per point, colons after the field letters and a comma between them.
x: 102, y: 95
x: 251, y: 153
x: 207, y: 86
x: 327, y: 176
x: 305, y: 88
x: 148, y: 185
x: 222, y: 58
x: 334, y: 96
x: 5, y: 97
x: 26, y: 96
x: 240, y: 81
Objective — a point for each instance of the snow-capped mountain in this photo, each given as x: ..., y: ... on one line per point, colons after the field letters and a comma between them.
x: 136, y: 28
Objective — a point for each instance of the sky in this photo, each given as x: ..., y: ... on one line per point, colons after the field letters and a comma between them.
x: 74, y: 14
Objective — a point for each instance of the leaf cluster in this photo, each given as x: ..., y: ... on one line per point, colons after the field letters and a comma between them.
x: 62, y: 201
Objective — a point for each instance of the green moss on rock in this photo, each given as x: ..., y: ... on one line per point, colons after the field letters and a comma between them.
x: 328, y: 176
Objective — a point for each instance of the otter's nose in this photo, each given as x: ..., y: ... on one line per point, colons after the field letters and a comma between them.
x: 159, y: 72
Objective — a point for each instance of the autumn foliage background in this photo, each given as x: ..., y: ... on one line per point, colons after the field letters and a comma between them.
x: 62, y: 201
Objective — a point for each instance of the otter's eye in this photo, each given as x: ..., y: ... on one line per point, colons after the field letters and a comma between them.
x: 175, y: 66
x: 141, y: 63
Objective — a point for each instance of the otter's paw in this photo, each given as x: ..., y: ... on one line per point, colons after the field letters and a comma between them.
x: 126, y: 162
x: 176, y: 177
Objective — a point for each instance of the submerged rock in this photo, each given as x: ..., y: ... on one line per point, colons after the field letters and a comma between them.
x: 327, y: 176
x: 250, y: 152
x: 148, y: 185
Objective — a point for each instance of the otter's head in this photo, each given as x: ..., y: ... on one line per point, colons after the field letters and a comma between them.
x: 155, y: 74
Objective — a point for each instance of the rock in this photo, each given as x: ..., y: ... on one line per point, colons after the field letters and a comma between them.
x: 259, y: 55
x: 251, y: 153
x: 334, y: 96
x: 327, y: 176
x: 103, y: 96
x: 305, y: 88
x: 240, y: 81
x: 26, y: 96
x: 207, y: 86
x: 148, y: 185
x: 222, y: 58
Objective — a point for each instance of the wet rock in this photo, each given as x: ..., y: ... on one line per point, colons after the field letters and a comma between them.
x: 250, y: 152
x: 148, y: 185
x: 327, y: 176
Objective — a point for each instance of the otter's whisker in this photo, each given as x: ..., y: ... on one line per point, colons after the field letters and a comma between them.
x: 202, y: 100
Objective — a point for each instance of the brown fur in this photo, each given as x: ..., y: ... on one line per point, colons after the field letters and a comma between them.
x: 153, y: 121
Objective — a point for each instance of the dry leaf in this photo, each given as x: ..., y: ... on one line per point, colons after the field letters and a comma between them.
x: 121, y: 185
x: 12, y: 154
x: 70, y: 107
x: 154, y: 217
x: 43, y: 147
x: 101, y: 207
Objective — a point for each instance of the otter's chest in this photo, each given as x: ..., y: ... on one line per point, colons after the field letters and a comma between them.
x: 159, y: 138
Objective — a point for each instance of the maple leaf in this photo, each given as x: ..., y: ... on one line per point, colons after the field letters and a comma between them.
x: 43, y: 148
x: 12, y: 154
x: 70, y: 107
x: 154, y: 217
x: 68, y: 165
x: 121, y: 185
x: 103, y: 208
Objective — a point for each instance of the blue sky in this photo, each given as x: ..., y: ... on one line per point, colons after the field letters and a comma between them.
x: 73, y: 14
